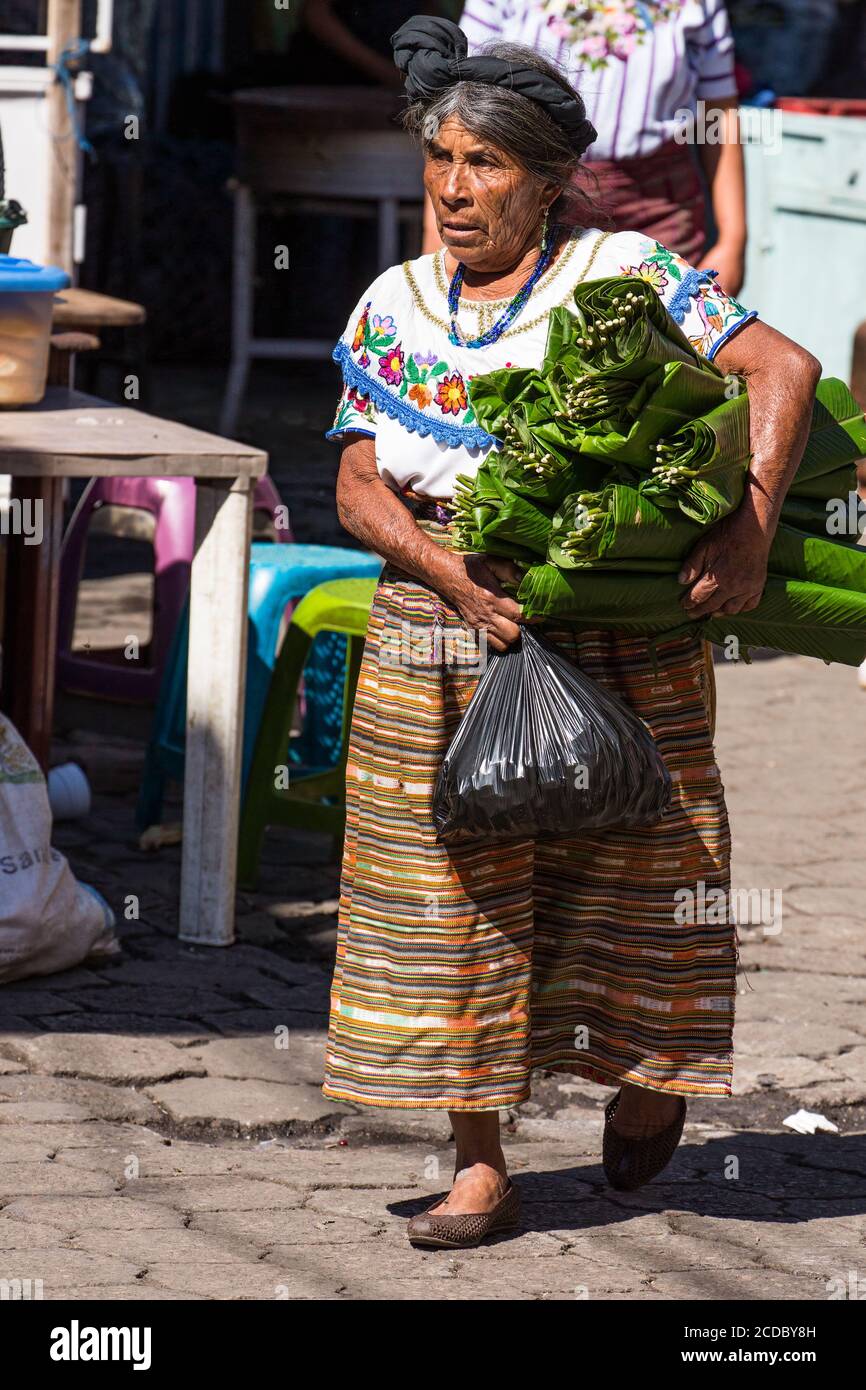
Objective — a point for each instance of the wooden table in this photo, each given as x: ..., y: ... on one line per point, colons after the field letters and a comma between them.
x: 89, y: 311
x: 72, y: 435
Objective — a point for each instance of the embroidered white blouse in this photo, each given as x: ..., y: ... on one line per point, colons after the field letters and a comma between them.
x: 406, y: 385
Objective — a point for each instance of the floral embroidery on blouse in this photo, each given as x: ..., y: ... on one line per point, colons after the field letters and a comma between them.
x: 600, y: 30
x: 704, y: 311
x: 355, y: 411
x: 421, y: 377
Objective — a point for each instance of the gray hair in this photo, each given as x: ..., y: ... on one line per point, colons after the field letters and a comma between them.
x: 512, y: 123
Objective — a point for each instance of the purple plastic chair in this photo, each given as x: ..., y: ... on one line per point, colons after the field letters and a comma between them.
x: 171, y: 501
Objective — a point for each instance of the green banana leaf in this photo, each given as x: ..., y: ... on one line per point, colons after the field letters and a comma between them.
x: 701, y: 468
x: 827, y: 487
x: 799, y: 618
x: 617, y: 527
x: 837, y: 436
x: 619, y: 325
x: 836, y: 564
x: 666, y: 400
x: 806, y: 513
x: 489, y: 517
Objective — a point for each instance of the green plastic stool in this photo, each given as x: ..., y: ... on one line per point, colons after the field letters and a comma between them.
x: 315, y: 800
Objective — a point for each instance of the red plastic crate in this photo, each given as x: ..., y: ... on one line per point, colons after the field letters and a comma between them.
x: 823, y: 106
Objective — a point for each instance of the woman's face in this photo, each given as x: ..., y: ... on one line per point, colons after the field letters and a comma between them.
x: 488, y: 209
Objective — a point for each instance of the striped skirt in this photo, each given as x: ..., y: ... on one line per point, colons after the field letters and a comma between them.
x: 460, y: 969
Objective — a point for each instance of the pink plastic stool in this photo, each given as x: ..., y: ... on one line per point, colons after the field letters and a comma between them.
x: 171, y: 501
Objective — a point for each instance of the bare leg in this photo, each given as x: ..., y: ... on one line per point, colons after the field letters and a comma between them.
x: 480, y: 1175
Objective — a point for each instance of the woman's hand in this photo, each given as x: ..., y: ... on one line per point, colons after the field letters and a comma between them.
x: 475, y: 591
x: 727, y: 570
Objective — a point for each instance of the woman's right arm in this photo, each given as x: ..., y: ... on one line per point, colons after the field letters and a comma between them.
x: 372, y: 512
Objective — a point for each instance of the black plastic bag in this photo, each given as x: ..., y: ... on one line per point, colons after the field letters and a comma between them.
x: 544, y: 752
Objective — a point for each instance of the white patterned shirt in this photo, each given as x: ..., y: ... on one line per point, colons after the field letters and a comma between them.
x: 407, y: 386
x: 633, y: 103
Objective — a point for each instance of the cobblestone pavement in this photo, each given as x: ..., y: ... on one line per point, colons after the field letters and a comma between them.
x: 157, y: 1142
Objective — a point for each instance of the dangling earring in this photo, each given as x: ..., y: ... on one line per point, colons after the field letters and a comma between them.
x: 545, y: 231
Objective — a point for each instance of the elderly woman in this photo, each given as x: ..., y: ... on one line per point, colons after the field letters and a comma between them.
x: 460, y: 969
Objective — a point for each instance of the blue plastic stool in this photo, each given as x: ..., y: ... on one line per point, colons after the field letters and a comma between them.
x: 279, y: 575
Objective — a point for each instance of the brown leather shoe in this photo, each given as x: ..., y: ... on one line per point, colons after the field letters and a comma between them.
x: 629, y: 1163
x: 444, y: 1232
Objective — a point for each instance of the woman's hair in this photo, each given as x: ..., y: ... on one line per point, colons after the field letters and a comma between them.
x: 514, y: 124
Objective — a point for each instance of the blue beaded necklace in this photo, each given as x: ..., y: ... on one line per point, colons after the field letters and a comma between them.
x: 506, y: 319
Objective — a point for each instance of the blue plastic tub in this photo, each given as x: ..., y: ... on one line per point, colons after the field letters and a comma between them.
x: 26, y: 303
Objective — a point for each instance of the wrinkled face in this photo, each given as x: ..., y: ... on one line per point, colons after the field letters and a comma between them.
x: 488, y: 209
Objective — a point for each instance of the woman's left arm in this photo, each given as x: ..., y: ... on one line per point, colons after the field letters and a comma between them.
x: 727, y: 569
x: 725, y: 173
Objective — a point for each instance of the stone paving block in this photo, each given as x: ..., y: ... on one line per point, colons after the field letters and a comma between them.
x: 277, y: 1230
x: 761, y: 1072
x: 229, y: 1193
x: 136, y: 1292
x: 743, y: 1285
x: 129, y: 1212
x: 19, y: 1000
x: 242, y: 1282
x: 45, y: 1111
x: 827, y: 1094
x: 179, y: 1031
x: 263, y: 1021
x: 757, y: 1038
x: 50, y: 1180
x: 259, y: 1058
x: 89, y: 1100
x: 274, y: 994
x: 163, y: 1000
x: 146, y: 1247
x: 249, y: 1104
x: 92, y: 1134
x: 107, y: 1057
x: 25, y: 1235
x: 59, y: 1267
x: 430, y: 1127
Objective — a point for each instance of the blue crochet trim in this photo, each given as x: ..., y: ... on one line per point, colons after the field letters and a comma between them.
x: 688, y: 286
x: 729, y: 332
x: 455, y: 436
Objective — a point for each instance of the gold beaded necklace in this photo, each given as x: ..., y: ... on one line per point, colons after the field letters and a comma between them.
x: 486, y: 307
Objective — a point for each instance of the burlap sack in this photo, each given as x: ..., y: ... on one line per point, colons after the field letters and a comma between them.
x: 48, y: 920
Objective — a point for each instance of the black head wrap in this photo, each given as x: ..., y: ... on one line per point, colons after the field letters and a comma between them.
x: 433, y: 55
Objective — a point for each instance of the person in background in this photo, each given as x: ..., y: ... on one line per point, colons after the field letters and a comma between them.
x: 349, y: 41
x: 639, y: 68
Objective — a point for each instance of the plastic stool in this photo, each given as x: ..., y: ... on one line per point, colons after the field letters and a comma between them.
x: 317, y: 800
x: 171, y: 501
x: 279, y: 574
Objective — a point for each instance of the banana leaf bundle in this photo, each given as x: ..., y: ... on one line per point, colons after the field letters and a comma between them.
x: 619, y: 528
x: 620, y: 452
x: 619, y: 326
x: 489, y: 516
x: 795, y: 616
x: 837, y: 438
x: 701, y: 467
